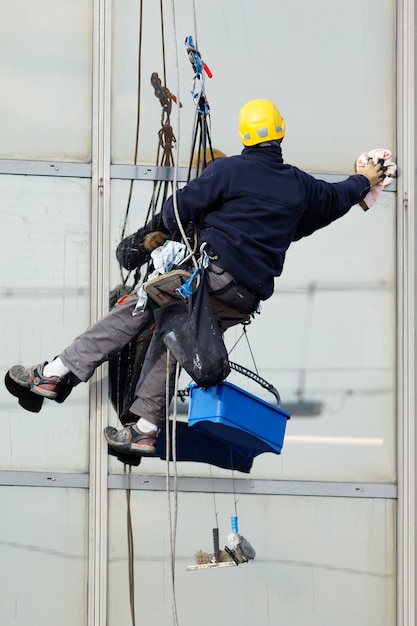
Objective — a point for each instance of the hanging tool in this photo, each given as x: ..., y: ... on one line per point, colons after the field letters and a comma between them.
x: 238, y: 551
x: 166, y: 135
x: 239, y: 548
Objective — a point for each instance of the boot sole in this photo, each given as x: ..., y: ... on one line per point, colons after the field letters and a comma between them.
x: 139, y: 450
x: 27, y: 400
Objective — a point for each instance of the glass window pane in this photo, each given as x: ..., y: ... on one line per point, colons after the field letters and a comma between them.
x: 43, y: 572
x: 327, y: 102
x: 310, y: 558
x: 328, y: 335
x: 44, y: 287
x: 45, y: 60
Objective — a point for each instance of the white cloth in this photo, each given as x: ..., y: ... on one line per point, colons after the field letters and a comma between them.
x: 244, y: 550
x: 164, y: 258
x: 376, y: 154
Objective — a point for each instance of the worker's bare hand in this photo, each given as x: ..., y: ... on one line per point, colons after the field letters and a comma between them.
x: 154, y: 240
x: 375, y: 173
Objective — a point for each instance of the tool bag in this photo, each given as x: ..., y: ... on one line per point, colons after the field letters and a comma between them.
x: 192, y: 333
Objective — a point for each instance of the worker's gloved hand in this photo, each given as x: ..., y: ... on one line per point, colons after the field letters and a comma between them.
x: 154, y: 240
x: 375, y: 173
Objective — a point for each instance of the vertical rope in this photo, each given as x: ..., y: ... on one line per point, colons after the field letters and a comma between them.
x: 178, y: 136
x: 233, y: 481
x: 130, y: 543
x: 130, y: 553
x: 135, y: 157
x: 161, y: 9
x: 172, y: 519
x: 195, y: 25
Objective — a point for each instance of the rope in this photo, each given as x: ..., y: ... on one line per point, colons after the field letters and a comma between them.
x: 233, y: 483
x: 130, y: 543
x: 166, y: 160
x: 165, y: 142
x: 135, y: 158
x: 130, y: 553
x: 161, y: 11
x: 172, y: 518
x: 195, y: 24
x: 174, y: 197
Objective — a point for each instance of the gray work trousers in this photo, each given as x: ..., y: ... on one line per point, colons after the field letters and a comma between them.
x: 232, y: 304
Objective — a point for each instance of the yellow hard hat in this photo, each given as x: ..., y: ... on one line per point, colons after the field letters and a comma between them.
x: 259, y: 121
x: 198, y: 158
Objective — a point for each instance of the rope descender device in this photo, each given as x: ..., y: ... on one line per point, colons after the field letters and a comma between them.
x: 200, y: 68
x: 163, y: 94
x: 195, y: 59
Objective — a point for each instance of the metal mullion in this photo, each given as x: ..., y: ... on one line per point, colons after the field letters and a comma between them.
x: 406, y: 314
x: 100, y: 226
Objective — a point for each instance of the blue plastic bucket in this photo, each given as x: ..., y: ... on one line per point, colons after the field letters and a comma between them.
x: 250, y: 425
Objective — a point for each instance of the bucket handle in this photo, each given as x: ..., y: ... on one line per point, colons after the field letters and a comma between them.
x: 261, y: 381
x: 183, y: 393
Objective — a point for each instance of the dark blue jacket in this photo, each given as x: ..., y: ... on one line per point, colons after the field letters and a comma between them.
x: 251, y: 207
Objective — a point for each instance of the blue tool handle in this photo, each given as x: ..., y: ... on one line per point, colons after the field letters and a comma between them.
x: 186, y: 289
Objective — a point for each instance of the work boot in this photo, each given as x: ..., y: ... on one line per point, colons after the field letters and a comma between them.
x: 130, y: 439
x: 32, y: 378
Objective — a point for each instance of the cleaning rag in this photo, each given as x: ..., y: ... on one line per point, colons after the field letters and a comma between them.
x: 385, y: 158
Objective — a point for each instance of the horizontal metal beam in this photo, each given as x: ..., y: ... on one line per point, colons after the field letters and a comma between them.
x: 204, y: 485
x: 257, y: 486
x: 45, y: 168
x: 125, y: 171
x: 149, y: 172
x: 12, y: 478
